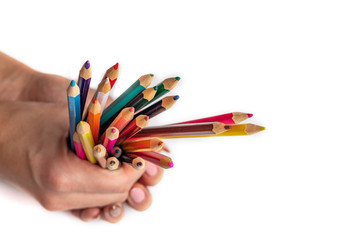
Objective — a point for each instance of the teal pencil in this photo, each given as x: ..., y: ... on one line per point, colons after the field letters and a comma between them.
x: 110, y: 113
x: 73, y: 96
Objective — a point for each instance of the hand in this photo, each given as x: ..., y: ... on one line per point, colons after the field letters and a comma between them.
x: 21, y: 83
x: 39, y: 161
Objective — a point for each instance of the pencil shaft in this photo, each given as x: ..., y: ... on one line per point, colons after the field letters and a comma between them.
x: 114, y: 109
x: 183, y: 130
x: 78, y: 147
x: 228, y: 118
x: 73, y: 98
x: 87, y: 140
x: 154, y: 157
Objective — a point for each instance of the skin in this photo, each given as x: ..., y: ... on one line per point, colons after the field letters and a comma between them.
x: 34, y: 110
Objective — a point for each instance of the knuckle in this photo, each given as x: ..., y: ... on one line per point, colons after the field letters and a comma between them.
x: 55, y: 181
x: 49, y: 202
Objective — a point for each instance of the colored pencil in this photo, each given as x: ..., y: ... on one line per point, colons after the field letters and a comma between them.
x: 87, y: 140
x: 158, y: 107
x: 94, y: 118
x: 120, y: 122
x: 116, y: 152
x: 154, y: 157
x: 164, y: 87
x: 111, y: 136
x: 84, y: 83
x: 113, y: 74
x: 184, y: 130
x: 228, y: 118
x: 112, y: 163
x: 137, y: 162
x: 73, y: 97
x: 143, y: 145
x: 236, y: 130
x: 142, y: 98
x: 165, y: 148
x: 102, y: 93
x: 78, y: 147
x: 100, y: 154
x: 132, y: 128
x: 113, y: 110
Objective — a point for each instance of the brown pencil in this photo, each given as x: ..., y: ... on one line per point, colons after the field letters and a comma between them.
x: 142, y: 145
x: 100, y: 154
x: 132, y: 128
x: 184, y: 130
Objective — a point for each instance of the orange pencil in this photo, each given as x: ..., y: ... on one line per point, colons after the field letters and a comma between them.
x: 94, y: 118
x: 142, y: 145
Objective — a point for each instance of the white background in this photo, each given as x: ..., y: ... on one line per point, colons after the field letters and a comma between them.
x: 293, y: 64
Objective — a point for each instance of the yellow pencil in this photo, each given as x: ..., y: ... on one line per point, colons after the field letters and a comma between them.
x: 87, y: 140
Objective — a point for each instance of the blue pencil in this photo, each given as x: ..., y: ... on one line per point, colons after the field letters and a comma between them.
x: 84, y: 83
x: 73, y: 96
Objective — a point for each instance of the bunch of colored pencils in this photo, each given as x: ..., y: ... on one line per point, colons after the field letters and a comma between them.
x: 117, y: 134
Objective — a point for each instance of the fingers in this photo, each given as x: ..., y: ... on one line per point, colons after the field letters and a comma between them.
x: 153, y: 174
x: 81, y: 176
x: 87, y: 214
x: 113, y: 213
x: 139, y: 197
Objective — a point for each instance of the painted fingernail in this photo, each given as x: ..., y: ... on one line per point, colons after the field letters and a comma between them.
x: 137, y: 195
x: 151, y: 169
x: 115, y: 210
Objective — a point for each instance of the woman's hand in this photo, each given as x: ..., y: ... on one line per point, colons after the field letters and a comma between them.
x: 21, y: 83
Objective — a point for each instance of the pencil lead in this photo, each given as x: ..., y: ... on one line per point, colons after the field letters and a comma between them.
x: 132, y: 109
x: 171, y: 164
x: 113, y: 130
x: 72, y: 83
x: 250, y: 115
x: 177, y: 78
x: 87, y: 64
x: 176, y: 97
x: 262, y: 128
x: 116, y: 66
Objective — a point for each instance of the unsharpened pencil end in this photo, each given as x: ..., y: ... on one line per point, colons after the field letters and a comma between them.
x: 250, y: 115
x: 72, y: 83
x: 87, y: 64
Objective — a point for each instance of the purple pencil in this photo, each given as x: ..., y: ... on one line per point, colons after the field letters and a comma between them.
x: 84, y: 83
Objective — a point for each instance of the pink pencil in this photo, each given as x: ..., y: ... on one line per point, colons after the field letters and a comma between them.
x: 78, y: 147
x: 227, y: 118
x: 111, y: 136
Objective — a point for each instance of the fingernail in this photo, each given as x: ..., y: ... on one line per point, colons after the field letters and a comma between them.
x: 115, y: 210
x: 151, y: 169
x: 137, y: 195
x: 84, y: 217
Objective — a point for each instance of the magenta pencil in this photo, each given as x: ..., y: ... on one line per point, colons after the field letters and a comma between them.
x: 78, y: 147
x: 111, y: 136
x: 227, y: 118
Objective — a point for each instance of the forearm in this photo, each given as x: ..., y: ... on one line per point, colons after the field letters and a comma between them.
x: 14, y: 77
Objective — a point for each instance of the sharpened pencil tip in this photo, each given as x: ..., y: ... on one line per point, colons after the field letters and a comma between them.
x: 87, y: 64
x: 262, y: 128
x: 151, y: 75
x: 171, y: 164
x: 132, y: 109
x: 156, y: 88
x: 116, y: 66
x: 177, y: 78
x: 176, y: 97
x: 72, y: 83
x: 250, y: 115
